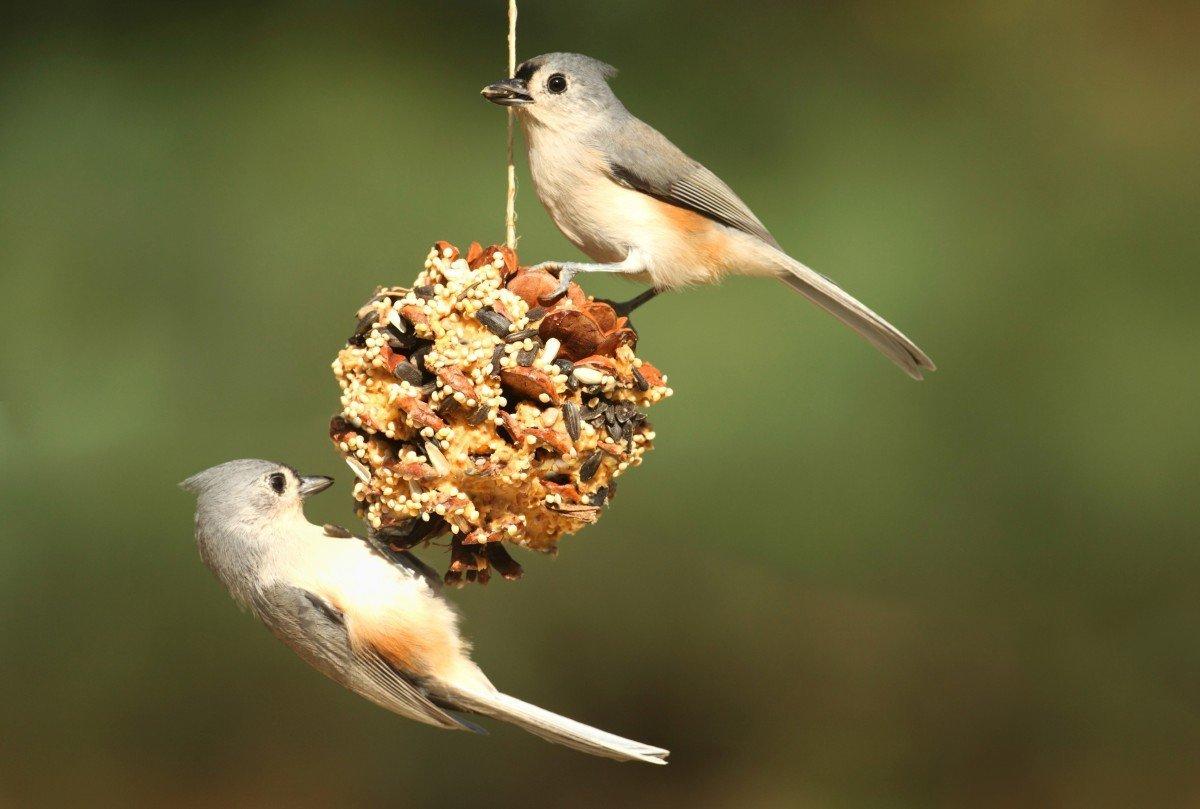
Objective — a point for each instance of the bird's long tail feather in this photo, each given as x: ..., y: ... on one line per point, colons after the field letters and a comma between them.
x: 559, y: 729
x: 846, y: 308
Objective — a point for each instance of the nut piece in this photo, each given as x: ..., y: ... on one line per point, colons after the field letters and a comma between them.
x: 578, y: 333
x: 532, y: 285
x: 615, y: 339
x: 604, y: 315
x: 530, y: 383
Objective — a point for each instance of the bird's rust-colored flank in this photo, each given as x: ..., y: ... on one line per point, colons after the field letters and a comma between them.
x: 702, y: 237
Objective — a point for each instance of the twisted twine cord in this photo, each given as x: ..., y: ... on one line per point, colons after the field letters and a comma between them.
x: 510, y: 205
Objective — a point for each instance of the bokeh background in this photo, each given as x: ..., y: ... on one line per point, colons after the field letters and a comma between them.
x: 828, y: 586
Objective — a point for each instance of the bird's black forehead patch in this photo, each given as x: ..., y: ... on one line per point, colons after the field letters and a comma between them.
x: 526, y: 69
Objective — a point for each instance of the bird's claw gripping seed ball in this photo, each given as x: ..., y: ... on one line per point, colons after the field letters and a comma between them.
x: 470, y: 407
x: 565, y: 276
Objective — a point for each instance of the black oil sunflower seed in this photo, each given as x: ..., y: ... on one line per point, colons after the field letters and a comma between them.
x: 417, y: 358
x: 600, y: 496
x: 525, y: 357
x: 362, y: 329
x: 426, y: 292
x: 570, y: 412
x: 565, y: 365
x: 590, y: 466
x: 518, y: 336
x: 640, y: 381
x: 591, y: 413
x: 497, y: 355
x: 400, y: 342
x: 479, y: 415
x: 616, y: 430
x: 408, y: 532
x: 408, y: 372
x: 536, y: 313
x: 499, y: 559
x: 493, y: 321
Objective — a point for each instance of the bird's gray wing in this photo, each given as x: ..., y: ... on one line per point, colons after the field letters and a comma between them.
x: 317, y: 632
x: 640, y: 157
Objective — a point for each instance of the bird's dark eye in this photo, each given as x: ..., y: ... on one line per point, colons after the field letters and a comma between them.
x: 278, y: 482
x: 556, y: 83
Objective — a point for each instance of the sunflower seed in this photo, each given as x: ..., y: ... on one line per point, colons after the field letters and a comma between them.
x: 397, y: 322
x: 497, y: 355
x: 565, y: 365
x: 536, y: 313
x: 591, y: 412
x: 570, y: 412
x: 624, y: 412
x: 417, y: 358
x: 499, y: 559
x: 336, y: 531
x: 408, y: 532
x: 616, y: 429
x: 361, y: 471
x: 362, y: 328
x: 426, y: 292
x: 398, y: 536
x: 518, y: 336
x: 493, y: 321
x: 479, y: 415
x: 600, y: 496
x: 639, y: 380
x: 400, y: 343
x: 525, y: 357
x: 408, y: 372
x: 590, y: 466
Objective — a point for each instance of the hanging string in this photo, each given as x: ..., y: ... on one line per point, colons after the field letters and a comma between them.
x: 510, y: 206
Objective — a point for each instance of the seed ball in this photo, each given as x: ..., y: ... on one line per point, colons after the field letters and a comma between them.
x: 468, y: 413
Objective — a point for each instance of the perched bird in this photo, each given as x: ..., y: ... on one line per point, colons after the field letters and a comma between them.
x: 632, y: 201
x: 367, y: 618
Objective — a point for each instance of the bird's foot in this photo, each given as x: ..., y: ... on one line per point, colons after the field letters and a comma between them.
x: 565, y: 274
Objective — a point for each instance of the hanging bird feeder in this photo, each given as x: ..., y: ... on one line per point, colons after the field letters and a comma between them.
x: 471, y: 409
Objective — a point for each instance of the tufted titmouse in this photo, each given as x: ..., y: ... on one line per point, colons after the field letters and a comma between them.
x: 631, y: 200
x: 364, y: 616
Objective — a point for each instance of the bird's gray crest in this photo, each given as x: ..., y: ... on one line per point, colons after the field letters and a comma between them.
x: 230, y: 473
x: 574, y: 63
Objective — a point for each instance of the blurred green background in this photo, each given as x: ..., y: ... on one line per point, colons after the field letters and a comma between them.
x: 828, y: 586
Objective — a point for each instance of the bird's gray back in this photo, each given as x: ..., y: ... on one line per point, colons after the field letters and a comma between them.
x: 642, y: 158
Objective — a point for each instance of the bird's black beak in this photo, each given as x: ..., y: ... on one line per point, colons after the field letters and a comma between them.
x: 313, y: 484
x: 508, y: 93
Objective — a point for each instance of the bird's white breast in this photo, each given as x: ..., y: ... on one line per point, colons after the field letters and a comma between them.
x: 598, y: 216
x: 389, y: 608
